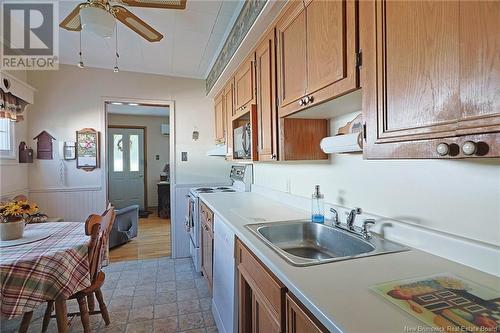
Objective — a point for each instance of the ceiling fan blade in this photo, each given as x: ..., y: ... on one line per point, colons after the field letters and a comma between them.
x: 165, y: 4
x: 72, y: 21
x: 139, y: 26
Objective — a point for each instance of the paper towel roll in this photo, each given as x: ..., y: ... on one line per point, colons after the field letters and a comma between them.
x: 342, y: 143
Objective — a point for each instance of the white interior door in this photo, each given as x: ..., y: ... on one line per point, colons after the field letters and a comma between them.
x: 126, y: 167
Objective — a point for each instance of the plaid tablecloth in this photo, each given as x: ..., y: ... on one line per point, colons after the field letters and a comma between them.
x: 44, y: 270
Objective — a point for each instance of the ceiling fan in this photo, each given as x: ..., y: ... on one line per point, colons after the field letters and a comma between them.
x: 99, y: 16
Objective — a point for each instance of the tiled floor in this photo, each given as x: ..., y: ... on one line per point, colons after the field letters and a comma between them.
x: 153, y: 295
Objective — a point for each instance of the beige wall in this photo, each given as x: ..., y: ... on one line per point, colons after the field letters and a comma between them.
x: 157, y: 144
x: 460, y: 197
x: 71, y: 98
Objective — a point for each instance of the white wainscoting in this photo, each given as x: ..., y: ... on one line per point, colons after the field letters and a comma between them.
x: 71, y: 203
x: 11, y: 194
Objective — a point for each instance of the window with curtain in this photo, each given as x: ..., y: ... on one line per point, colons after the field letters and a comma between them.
x: 7, y: 146
x: 11, y: 109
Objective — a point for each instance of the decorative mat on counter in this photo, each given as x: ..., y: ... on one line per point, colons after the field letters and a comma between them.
x: 446, y: 302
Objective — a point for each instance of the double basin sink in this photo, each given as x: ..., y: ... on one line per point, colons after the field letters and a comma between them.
x: 303, y: 243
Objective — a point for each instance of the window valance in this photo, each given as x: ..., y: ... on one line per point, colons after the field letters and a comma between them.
x: 11, y: 107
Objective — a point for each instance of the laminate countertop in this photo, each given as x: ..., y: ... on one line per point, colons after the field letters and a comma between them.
x: 337, y: 293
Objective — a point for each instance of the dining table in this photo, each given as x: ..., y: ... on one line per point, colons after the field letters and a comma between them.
x: 50, y: 263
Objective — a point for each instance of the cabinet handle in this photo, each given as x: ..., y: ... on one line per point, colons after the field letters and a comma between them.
x: 469, y: 148
x: 302, y: 102
x: 273, y: 156
x: 309, y: 99
x: 443, y: 149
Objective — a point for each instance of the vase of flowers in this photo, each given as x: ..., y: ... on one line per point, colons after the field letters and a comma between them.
x: 13, y: 217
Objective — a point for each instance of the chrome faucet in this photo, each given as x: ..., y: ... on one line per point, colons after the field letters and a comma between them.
x: 336, y: 220
x: 351, y: 217
x: 366, y: 231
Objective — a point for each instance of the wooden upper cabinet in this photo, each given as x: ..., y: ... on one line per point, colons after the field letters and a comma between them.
x: 244, y: 86
x: 479, y: 66
x: 292, y: 56
x: 229, y: 111
x: 317, y: 50
x: 431, y: 73
x: 266, y: 98
x: 220, y: 120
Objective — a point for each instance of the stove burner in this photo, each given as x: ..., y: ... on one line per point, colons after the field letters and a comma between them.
x: 221, y: 188
x: 203, y: 189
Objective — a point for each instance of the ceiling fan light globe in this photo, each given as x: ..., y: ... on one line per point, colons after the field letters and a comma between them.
x: 97, y: 21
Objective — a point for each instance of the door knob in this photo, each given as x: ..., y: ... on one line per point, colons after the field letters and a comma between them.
x: 469, y: 147
x: 443, y: 149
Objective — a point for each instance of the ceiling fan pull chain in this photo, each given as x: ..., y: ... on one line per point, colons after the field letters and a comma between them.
x: 80, y: 63
x: 116, y: 69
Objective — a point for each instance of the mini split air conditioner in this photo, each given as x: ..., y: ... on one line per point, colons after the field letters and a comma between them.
x: 165, y: 129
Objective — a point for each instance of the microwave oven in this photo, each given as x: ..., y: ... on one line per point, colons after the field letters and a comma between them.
x: 242, y: 141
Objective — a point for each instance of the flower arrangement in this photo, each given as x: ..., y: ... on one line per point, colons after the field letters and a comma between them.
x: 13, y: 211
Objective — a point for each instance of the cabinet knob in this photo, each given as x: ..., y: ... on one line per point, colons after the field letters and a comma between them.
x: 443, y: 149
x: 302, y: 102
x: 309, y: 99
x: 273, y: 156
x: 469, y: 147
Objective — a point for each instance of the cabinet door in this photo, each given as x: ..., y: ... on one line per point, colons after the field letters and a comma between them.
x: 420, y: 66
x: 207, y: 245
x: 298, y: 320
x: 229, y: 109
x: 331, y: 48
x: 479, y: 66
x: 266, y: 98
x: 244, y: 86
x: 263, y: 320
x: 220, y: 120
x: 409, y: 76
x: 292, y: 57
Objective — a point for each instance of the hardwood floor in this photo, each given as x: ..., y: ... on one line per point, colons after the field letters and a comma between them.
x: 152, y: 241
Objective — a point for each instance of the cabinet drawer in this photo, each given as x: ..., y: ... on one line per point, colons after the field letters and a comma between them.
x: 260, y: 279
x: 206, y: 215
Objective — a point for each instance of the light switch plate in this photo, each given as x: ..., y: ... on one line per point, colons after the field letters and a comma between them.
x: 184, y: 156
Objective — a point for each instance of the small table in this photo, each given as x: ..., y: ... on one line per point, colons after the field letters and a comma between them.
x: 164, y: 199
x: 53, y: 268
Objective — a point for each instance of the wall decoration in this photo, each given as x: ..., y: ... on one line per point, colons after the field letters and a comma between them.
x: 69, y: 151
x: 446, y: 302
x: 44, y: 146
x: 246, y: 18
x: 87, y: 149
x: 25, y: 153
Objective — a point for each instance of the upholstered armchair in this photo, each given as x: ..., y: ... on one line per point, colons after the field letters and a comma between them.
x: 125, y: 226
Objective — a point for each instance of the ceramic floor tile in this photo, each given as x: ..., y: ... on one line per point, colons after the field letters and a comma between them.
x: 191, y: 321
x: 205, y: 303
x: 208, y: 319
x: 189, y: 306
x: 141, y: 327
x: 141, y: 301
x: 187, y: 294
x: 141, y: 314
x: 165, y: 310
x: 185, y: 284
x: 166, y: 325
x: 166, y: 297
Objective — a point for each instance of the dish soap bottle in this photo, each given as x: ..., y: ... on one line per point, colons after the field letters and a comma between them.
x: 317, y: 206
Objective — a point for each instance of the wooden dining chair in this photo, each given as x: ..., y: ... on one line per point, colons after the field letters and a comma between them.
x: 98, y: 228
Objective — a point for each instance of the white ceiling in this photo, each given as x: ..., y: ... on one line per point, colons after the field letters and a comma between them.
x: 192, y: 39
x: 138, y: 110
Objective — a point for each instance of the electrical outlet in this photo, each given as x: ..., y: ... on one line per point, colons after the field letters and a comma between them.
x: 157, y: 157
x: 184, y: 156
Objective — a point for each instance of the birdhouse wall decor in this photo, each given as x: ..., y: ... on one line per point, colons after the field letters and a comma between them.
x: 25, y: 153
x: 44, y: 146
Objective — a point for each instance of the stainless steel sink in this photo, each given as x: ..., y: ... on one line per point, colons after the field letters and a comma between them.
x: 303, y: 243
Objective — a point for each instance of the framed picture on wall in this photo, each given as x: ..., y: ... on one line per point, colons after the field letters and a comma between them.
x: 87, y: 149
